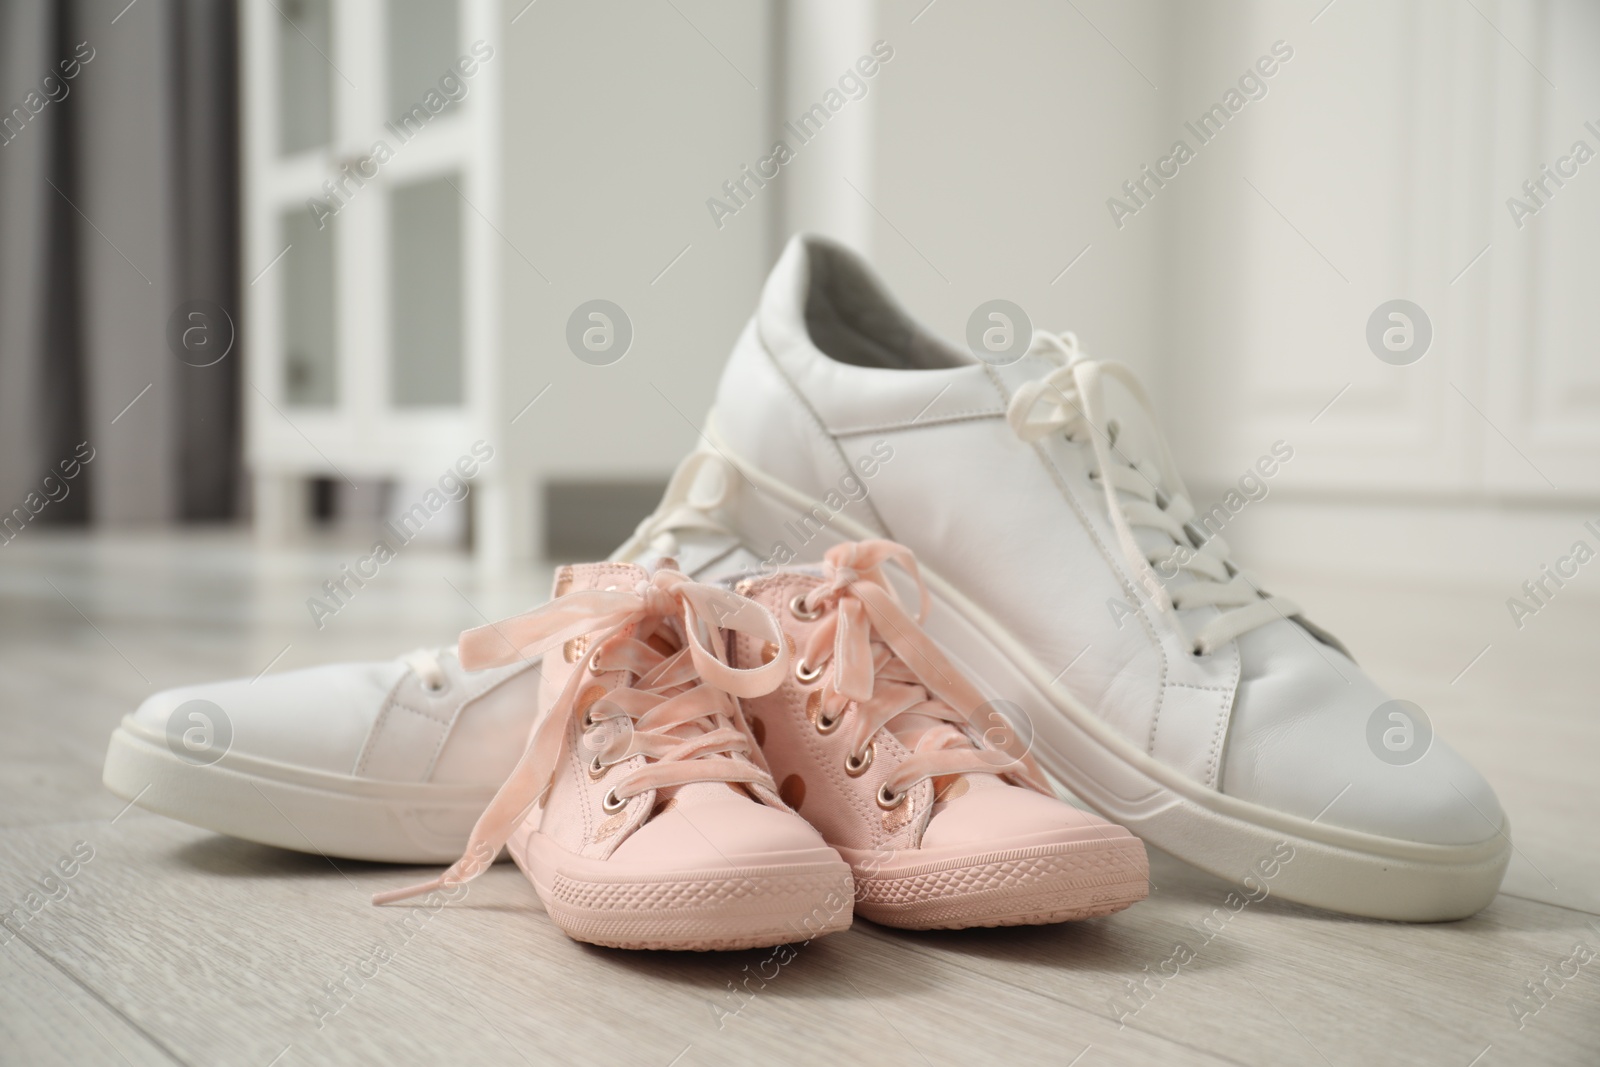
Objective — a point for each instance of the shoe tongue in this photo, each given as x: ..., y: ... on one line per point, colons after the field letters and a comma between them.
x: 910, y: 727
x: 695, y: 794
x: 583, y: 577
x: 952, y: 786
x: 1133, y: 444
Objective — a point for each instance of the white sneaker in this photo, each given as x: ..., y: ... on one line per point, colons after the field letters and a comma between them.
x: 389, y: 761
x: 1162, y: 686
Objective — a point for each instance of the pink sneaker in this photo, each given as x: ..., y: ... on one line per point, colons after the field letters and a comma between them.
x: 641, y: 809
x: 873, y: 739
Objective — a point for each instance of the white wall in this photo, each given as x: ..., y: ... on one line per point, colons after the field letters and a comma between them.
x: 1000, y: 132
x: 979, y: 165
x: 620, y: 120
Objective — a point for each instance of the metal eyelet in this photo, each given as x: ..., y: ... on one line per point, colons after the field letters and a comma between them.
x: 889, y: 801
x: 597, y: 770
x: 826, y: 725
x: 595, y: 668
x: 797, y: 608
x: 611, y: 803
x: 805, y: 674
x: 855, y: 766
x: 435, y: 689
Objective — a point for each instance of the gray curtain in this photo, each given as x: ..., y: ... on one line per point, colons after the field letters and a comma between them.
x: 118, y: 212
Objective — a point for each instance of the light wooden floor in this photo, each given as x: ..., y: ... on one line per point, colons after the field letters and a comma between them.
x: 174, y: 945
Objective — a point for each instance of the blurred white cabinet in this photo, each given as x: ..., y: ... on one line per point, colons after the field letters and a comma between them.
x: 432, y: 309
x: 1343, y: 192
x: 371, y: 303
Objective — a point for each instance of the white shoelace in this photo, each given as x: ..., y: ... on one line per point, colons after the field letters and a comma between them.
x: 702, y: 483
x: 1070, y: 400
x: 425, y: 664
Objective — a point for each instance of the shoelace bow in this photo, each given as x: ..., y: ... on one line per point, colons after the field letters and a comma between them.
x: 885, y: 665
x: 680, y: 710
x: 1070, y: 400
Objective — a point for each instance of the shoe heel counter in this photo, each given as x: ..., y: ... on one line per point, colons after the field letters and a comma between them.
x: 764, y: 421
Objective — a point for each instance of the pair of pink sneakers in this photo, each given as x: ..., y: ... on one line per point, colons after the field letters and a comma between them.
x: 724, y: 768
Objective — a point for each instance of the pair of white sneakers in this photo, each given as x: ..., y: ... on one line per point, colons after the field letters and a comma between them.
x: 1148, y: 674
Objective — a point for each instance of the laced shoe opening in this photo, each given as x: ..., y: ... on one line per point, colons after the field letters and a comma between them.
x: 679, y: 704
x: 1150, y: 510
x: 885, y: 677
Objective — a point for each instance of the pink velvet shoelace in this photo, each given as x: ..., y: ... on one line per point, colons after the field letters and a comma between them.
x: 885, y: 666
x: 682, y: 708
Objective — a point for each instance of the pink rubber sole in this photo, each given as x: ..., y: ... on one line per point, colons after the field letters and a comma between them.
x: 1010, y: 887
x: 716, y: 910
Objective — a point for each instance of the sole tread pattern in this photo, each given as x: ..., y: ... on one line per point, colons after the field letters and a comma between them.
x: 1051, y: 887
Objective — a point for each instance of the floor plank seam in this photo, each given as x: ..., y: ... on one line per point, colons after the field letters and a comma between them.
x: 1548, y: 904
x: 93, y: 994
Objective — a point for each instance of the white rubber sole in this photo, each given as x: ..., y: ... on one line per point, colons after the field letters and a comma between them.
x: 294, y: 807
x: 783, y: 900
x: 1309, y: 862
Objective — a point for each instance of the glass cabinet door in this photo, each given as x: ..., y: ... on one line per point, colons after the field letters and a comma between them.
x: 370, y: 238
x: 424, y: 219
x: 305, y: 51
x: 425, y: 293
x: 424, y: 41
x: 308, y: 328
